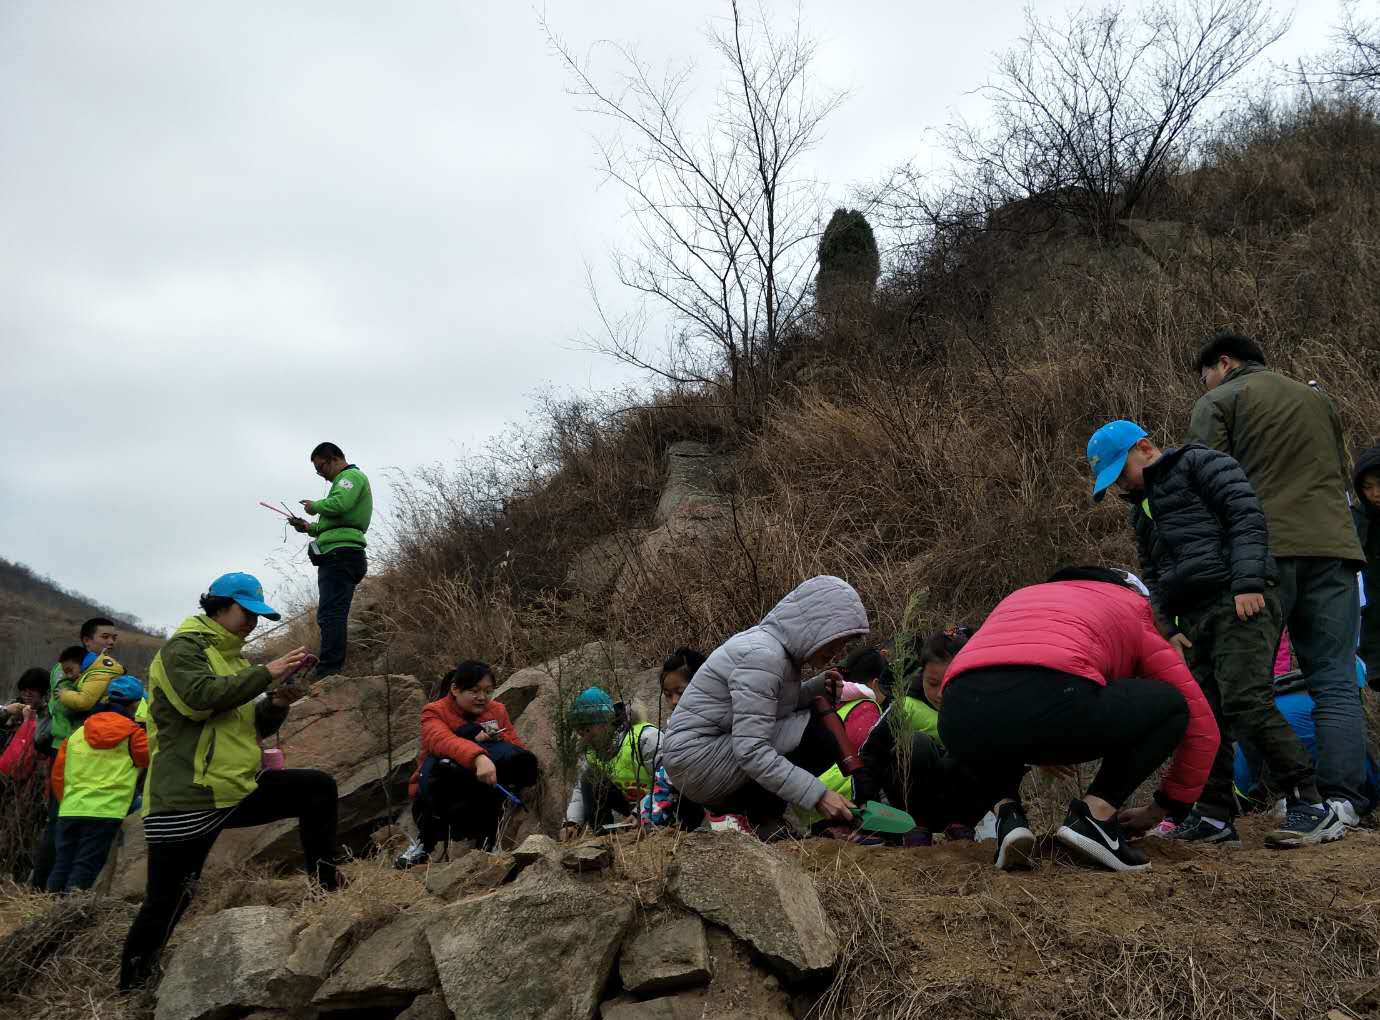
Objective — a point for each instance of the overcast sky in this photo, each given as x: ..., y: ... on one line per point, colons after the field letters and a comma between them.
x: 230, y: 231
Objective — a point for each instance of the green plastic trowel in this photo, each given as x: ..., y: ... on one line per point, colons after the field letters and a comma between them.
x: 877, y: 817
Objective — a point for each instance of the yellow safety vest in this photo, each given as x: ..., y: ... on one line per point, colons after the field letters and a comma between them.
x: 626, y: 770
x: 97, y: 782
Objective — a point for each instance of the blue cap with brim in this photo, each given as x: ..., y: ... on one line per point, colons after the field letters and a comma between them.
x: 1107, y: 452
x: 246, y: 590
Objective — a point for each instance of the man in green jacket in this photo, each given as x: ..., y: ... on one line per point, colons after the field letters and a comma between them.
x: 337, y: 548
x: 1288, y: 438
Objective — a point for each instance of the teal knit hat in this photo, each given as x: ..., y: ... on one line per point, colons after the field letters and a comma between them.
x: 592, y: 707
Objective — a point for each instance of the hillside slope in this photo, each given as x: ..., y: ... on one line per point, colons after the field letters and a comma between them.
x: 38, y: 618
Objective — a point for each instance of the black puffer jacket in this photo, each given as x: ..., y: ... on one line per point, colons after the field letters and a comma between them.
x: 1205, y: 530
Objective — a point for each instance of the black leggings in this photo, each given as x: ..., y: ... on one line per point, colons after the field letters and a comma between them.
x: 998, y: 721
x: 174, y: 866
x: 939, y: 790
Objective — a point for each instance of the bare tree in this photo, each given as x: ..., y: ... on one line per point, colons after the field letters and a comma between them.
x: 1088, y: 116
x: 725, y: 217
x: 1355, y: 61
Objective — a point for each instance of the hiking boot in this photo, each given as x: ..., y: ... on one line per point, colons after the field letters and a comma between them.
x: 1099, y: 842
x: 411, y: 857
x: 728, y: 822
x: 1346, y: 813
x: 917, y: 837
x: 1201, y: 832
x: 958, y: 832
x: 1015, y: 841
x: 1305, y: 825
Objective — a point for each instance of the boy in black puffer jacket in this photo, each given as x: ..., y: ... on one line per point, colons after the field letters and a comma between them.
x: 1205, y: 556
x: 1366, y: 512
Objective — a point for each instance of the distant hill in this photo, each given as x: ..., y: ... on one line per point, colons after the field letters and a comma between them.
x: 38, y: 618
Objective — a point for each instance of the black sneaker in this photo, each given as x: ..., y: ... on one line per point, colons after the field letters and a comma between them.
x: 1101, y: 843
x: 1198, y: 831
x: 1305, y: 825
x: 1015, y: 841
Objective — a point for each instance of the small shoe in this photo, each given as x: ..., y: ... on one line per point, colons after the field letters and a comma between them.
x: 728, y: 822
x: 1202, y: 832
x: 917, y: 837
x: 1305, y: 825
x: 1015, y: 841
x: 958, y: 832
x: 411, y: 857
x: 1099, y: 842
x: 1346, y: 813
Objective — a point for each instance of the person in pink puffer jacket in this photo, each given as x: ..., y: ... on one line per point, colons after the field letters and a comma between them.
x: 1073, y: 671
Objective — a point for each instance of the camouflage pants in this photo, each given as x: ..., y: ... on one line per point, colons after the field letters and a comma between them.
x: 1232, y: 661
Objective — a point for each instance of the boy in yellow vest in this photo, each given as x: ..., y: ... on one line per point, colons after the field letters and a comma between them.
x: 93, y: 778
x: 618, y: 765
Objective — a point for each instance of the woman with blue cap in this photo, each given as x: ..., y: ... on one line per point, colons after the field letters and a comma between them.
x: 207, y: 713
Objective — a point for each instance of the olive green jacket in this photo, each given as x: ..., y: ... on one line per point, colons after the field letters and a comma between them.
x: 1288, y: 438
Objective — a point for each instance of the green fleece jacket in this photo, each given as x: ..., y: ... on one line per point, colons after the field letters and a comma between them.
x: 344, y: 513
x: 1288, y: 438
x: 204, y: 722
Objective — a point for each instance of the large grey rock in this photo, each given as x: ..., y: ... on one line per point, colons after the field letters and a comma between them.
x: 685, y: 1006
x: 431, y: 1006
x: 323, y: 944
x: 230, y: 963
x: 534, y: 848
x: 761, y: 896
x: 389, y: 968
x: 694, y: 483
x: 474, y: 871
x: 588, y: 857
x: 561, y: 934
x: 595, y: 568
x: 667, y: 953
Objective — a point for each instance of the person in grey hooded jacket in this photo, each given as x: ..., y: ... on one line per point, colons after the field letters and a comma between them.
x: 743, y: 738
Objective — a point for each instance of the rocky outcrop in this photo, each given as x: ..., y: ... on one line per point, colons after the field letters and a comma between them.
x: 760, y: 896
x: 389, y: 968
x: 473, y: 872
x: 231, y: 962
x: 695, y: 480
x: 668, y: 953
x: 686, y: 1006
x: 567, y: 931
x: 740, y: 989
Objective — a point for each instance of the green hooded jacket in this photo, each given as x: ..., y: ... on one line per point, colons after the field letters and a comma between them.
x: 204, y: 722
x: 344, y: 513
x: 1287, y: 437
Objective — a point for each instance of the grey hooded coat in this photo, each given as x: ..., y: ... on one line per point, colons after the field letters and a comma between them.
x: 746, y: 706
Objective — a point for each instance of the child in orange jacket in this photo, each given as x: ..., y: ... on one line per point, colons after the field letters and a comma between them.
x: 94, y: 777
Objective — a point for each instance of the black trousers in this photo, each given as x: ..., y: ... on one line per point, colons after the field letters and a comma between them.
x: 453, y: 804
x: 337, y: 574
x: 998, y: 721
x: 939, y: 790
x: 815, y: 753
x: 174, y: 867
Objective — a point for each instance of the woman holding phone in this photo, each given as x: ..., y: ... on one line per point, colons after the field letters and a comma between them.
x: 206, y: 717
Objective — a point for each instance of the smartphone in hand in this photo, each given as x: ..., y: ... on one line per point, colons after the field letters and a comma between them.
x: 309, y: 663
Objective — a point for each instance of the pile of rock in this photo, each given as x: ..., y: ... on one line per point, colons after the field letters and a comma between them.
x: 549, y: 932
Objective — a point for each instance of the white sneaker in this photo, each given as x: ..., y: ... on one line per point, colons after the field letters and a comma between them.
x: 411, y: 857
x: 1346, y: 813
x: 728, y: 822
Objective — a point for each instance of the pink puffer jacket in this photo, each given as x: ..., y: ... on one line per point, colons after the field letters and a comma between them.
x: 1103, y: 632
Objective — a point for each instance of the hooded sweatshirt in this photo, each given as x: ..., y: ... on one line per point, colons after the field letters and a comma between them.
x: 98, y: 765
x: 746, y: 707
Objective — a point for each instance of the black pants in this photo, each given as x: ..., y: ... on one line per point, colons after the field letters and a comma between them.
x: 815, y: 753
x: 173, y: 867
x: 47, y: 847
x: 998, y: 721
x: 83, y: 844
x: 938, y: 790
x: 453, y: 804
x: 337, y: 574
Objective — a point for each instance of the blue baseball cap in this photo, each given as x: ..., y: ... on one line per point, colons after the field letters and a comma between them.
x: 1107, y: 452
x: 125, y: 688
x: 593, y: 706
x: 246, y: 590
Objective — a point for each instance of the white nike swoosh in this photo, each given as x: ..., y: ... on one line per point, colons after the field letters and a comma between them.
x: 1112, y: 844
